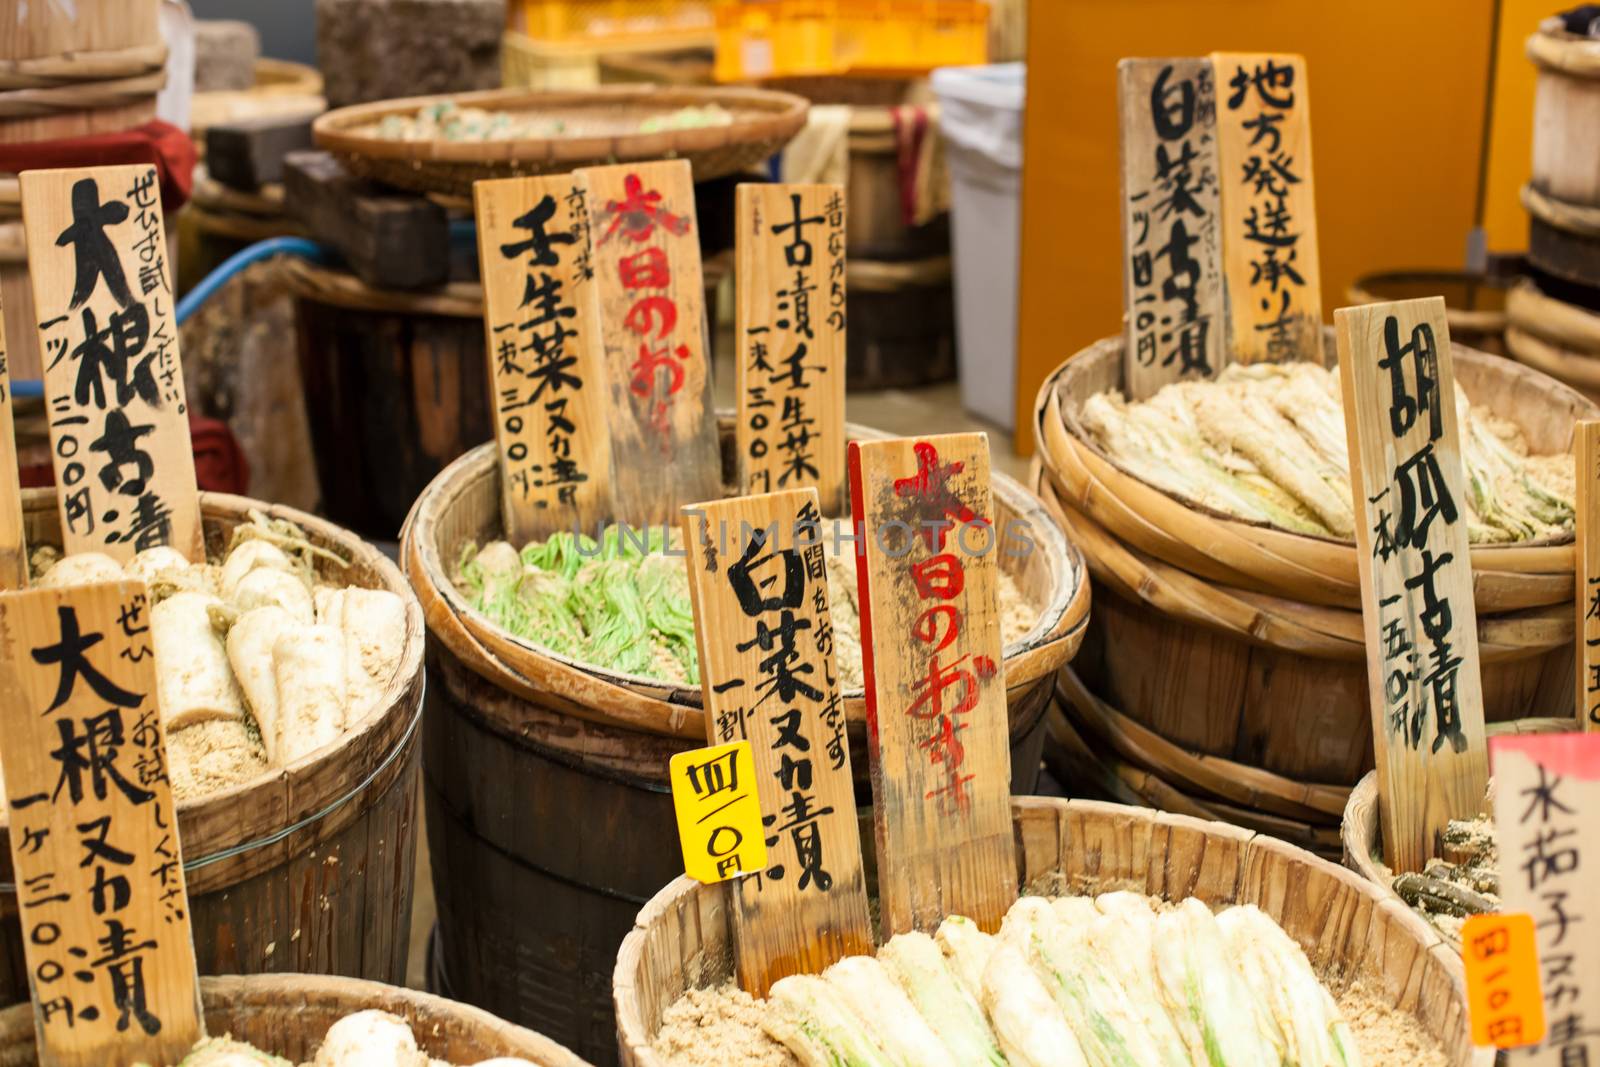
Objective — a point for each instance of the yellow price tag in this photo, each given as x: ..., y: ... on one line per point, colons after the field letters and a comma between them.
x: 719, y: 812
x: 1504, y: 998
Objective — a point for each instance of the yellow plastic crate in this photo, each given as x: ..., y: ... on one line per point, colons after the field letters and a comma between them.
x: 798, y: 38
x: 680, y: 23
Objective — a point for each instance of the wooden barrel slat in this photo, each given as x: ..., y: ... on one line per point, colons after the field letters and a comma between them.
x: 335, y: 894
x: 683, y: 938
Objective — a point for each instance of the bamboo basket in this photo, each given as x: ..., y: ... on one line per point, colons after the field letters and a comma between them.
x: 289, y: 1015
x: 684, y: 938
x: 1315, y: 570
x: 307, y: 868
x: 514, y: 729
x: 604, y: 123
x: 1361, y: 833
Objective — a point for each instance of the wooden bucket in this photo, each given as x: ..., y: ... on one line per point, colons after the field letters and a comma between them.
x: 902, y: 324
x: 1474, y: 304
x: 289, y: 1014
x: 1184, y: 675
x: 1554, y: 337
x: 1361, y: 833
x: 546, y: 780
x: 309, y: 868
x: 1563, y: 195
x: 72, y: 70
x: 396, y: 388
x: 684, y: 938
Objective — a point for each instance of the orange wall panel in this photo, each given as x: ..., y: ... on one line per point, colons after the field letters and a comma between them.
x: 1398, y: 96
x: 1505, y: 222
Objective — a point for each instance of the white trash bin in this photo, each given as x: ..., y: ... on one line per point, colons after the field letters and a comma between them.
x: 980, y: 114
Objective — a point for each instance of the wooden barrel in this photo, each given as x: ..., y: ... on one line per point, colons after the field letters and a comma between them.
x: 1191, y: 658
x: 396, y: 388
x: 1361, y: 833
x: 308, y: 868
x: 1474, y: 304
x: 546, y: 779
x: 1553, y: 336
x: 1563, y: 194
x: 684, y: 937
x: 902, y: 324
x: 289, y: 1014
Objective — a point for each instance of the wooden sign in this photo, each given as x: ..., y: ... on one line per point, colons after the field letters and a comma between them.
x: 664, y: 446
x: 119, y: 425
x: 718, y: 809
x: 541, y: 321
x: 759, y: 585
x: 927, y: 568
x: 1586, y: 458
x: 1505, y: 999
x: 1177, y: 322
x: 1547, y: 789
x: 1417, y: 611
x: 790, y: 373
x: 94, y: 838
x: 13, y: 542
x: 1269, y: 211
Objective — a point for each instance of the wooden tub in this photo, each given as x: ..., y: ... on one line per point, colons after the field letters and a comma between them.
x: 1207, y: 628
x: 308, y: 868
x: 546, y: 780
x: 684, y: 937
x: 289, y: 1014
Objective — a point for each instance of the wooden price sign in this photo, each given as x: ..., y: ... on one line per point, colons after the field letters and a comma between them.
x: 1269, y: 212
x: 13, y: 543
x: 119, y: 428
x: 1586, y: 459
x: 1547, y: 789
x: 759, y: 585
x: 936, y: 696
x: 790, y: 373
x: 1177, y: 321
x: 541, y: 320
x: 1417, y: 611
x: 94, y: 840
x: 665, y: 451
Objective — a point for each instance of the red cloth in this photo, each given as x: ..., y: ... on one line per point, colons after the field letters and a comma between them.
x: 157, y: 142
x: 910, y: 129
x: 219, y: 463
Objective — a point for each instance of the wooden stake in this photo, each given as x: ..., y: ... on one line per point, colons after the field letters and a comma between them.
x: 665, y: 450
x: 1417, y: 610
x: 927, y: 569
x: 1269, y: 212
x: 1586, y: 458
x: 790, y: 372
x: 119, y: 426
x: 759, y: 584
x: 1175, y: 316
x: 1547, y: 789
x: 13, y: 541
x: 94, y: 840
x: 541, y: 319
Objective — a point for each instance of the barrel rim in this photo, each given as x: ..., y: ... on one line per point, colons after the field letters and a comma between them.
x: 1114, y: 821
x: 1551, y: 48
x: 1053, y: 639
x: 205, y: 824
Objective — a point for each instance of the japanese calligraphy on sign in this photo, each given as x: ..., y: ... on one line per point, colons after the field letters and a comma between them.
x: 719, y: 812
x: 13, y: 543
x: 1586, y: 458
x: 646, y: 252
x: 1417, y: 608
x: 119, y: 429
x: 541, y: 320
x: 759, y: 585
x: 1547, y: 789
x: 1171, y: 223
x: 1269, y: 220
x: 790, y: 374
x: 1504, y: 998
x: 927, y: 565
x: 94, y: 834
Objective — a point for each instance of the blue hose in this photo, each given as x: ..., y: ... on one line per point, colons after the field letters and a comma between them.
x: 26, y: 388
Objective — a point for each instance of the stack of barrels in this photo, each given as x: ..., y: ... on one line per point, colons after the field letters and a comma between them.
x: 1554, y: 315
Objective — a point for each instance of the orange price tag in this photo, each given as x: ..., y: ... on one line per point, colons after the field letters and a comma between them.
x: 719, y: 812
x: 1503, y: 991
